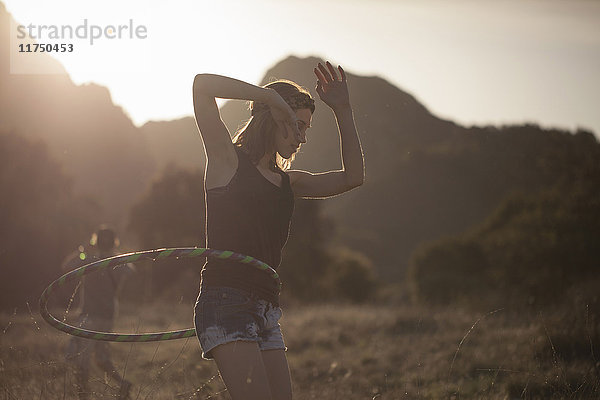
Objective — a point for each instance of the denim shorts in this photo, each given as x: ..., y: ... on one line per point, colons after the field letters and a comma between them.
x: 223, y: 315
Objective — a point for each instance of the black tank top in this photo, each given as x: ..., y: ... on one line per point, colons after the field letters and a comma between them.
x: 250, y: 215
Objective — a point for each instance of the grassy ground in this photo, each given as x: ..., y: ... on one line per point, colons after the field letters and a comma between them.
x: 335, y: 352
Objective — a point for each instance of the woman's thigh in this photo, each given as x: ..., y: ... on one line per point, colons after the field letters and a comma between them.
x: 242, y: 370
x: 278, y: 373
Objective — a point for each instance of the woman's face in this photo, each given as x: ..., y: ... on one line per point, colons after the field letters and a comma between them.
x: 286, y: 146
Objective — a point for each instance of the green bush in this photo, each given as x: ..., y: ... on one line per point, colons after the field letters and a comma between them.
x: 451, y: 270
x: 350, y: 276
x: 312, y: 270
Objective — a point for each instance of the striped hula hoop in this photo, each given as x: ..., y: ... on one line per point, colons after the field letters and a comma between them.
x: 179, y: 252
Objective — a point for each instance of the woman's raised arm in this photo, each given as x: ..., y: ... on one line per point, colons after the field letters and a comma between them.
x: 217, y: 140
x: 334, y: 92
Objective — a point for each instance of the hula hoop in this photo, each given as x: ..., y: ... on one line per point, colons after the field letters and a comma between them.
x: 179, y: 252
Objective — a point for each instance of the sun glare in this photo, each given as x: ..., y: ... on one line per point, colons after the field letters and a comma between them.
x: 435, y: 53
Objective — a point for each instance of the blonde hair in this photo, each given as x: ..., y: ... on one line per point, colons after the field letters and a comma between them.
x: 257, y: 136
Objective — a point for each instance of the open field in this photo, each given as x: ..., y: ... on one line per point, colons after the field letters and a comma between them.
x: 335, y: 352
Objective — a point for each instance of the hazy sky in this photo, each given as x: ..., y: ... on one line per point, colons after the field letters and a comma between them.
x: 475, y: 62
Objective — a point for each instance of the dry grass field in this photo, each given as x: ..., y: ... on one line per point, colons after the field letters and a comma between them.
x: 335, y: 352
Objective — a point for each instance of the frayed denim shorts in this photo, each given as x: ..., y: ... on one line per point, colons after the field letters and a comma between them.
x: 223, y: 315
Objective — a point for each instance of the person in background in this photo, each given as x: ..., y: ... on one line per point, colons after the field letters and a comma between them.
x: 98, y: 309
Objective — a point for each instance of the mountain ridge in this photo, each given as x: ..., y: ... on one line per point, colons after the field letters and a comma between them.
x: 426, y: 177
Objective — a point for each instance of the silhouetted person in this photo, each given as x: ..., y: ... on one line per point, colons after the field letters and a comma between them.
x: 250, y: 195
x: 98, y: 309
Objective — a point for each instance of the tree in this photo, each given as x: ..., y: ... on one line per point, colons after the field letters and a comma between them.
x: 532, y: 249
x: 172, y: 214
x: 42, y: 220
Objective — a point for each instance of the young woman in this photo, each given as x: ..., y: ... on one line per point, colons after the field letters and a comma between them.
x: 249, y: 202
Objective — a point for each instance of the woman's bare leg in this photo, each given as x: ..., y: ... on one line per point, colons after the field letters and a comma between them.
x: 278, y: 373
x: 241, y: 367
x: 103, y: 360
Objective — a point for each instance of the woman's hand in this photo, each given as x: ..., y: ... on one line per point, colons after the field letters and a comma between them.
x: 283, y: 115
x: 331, y: 89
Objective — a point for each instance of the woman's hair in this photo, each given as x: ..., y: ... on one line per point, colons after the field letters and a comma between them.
x: 257, y: 136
